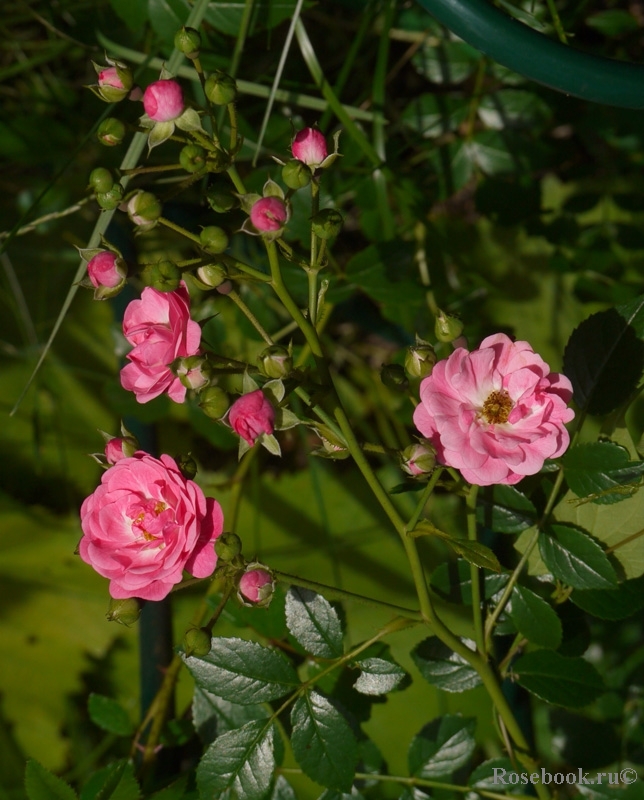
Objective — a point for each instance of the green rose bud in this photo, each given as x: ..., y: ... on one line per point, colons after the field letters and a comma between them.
x: 197, y: 642
x: 192, y: 158
x: 194, y: 372
x: 420, y: 359
x: 447, y: 328
x: 126, y: 612
x: 101, y: 180
x: 111, y: 199
x: 187, y: 466
x: 221, y: 199
x: 418, y: 460
x: 214, y: 240
x: 228, y: 546
x: 327, y: 223
x: 276, y: 362
x: 188, y: 42
x: 111, y: 132
x: 214, y: 402
x: 295, y: 174
x: 144, y: 209
x: 212, y: 275
x: 164, y: 276
x: 221, y: 89
x: 393, y: 376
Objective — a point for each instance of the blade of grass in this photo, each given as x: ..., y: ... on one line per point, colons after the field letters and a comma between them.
x: 278, y: 75
x: 130, y: 160
x: 244, y: 87
x: 308, y: 53
x: 378, y: 92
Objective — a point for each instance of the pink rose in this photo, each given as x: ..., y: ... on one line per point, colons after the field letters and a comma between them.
x: 163, y: 101
x: 110, y: 77
x: 145, y: 524
x: 120, y: 447
x: 256, y: 586
x: 251, y: 415
x: 496, y: 413
x: 106, y: 269
x: 160, y: 328
x: 269, y: 214
x: 309, y: 146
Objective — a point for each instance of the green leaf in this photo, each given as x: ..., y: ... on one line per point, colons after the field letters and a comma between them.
x: 243, y: 672
x: 334, y: 794
x: 486, y: 150
x: 453, y: 581
x: 535, y: 618
x: 109, y: 715
x: 212, y: 715
x: 378, y: 676
x: 594, y: 468
x: 116, y: 782
x: 442, y: 747
x: 444, y: 668
x: 574, y: 558
x: 167, y: 16
x: 613, y: 22
x: 620, y: 603
x: 448, y: 62
x: 505, y: 509
x: 241, y: 760
x: 282, y: 790
x: 604, y: 358
x: 474, y: 553
x: 512, y: 108
x: 175, y: 791
x: 314, y: 622
x: 134, y: 15
x: 42, y: 785
x: 433, y: 115
x: 483, y: 776
x: 323, y: 743
x: 570, y: 682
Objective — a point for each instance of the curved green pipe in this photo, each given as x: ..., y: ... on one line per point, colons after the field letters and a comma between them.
x: 518, y: 47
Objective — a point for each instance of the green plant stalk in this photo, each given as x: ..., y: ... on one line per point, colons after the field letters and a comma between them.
x: 196, y: 63
x: 475, y: 573
x: 378, y: 92
x: 241, y: 37
x: 342, y: 594
x: 179, y: 229
x: 429, y: 488
x: 313, y: 270
x: 232, y: 116
x: 556, y: 21
x: 234, y: 500
x: 250, y: 316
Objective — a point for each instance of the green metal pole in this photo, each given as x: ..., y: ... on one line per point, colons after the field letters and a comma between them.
x: 546, y: 61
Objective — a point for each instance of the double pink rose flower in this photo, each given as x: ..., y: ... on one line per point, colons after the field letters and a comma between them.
x: 495, y: 414
x: 160, y: 329
x: 145, y: 524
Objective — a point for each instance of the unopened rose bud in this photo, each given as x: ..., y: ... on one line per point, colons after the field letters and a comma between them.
x: 111, y: 199
x: 269, y: 214
x: 251, y: 416
x: 221, y: 89
x: 163, y: 101
x: 420, y: 359
x: 214, y: 402
x: 418, y: 459
x: 144, y: 209
x: 447, y: 328
x: 327, y: 223
x: 111, y: 132
x: 188, y: 42
x: 197, y: 642
x: 120, y: 447
x: 393, y: 376
x: 309, y: 146
x: 225, y: 288
x: 276, y: 362
x: 194, y: 372
x: 101, y: 179
x: 227, y: 546
x: 107, y: 273
x: 126, y: 612
x: 212, y: 275
x: 213, y: 240
x: 187, y: 466
x: 256, y: 586
x: 192, y: 158
x: 296, y: 175
x: 221, y: 200
x: 114, y: 83
x: 165, y: 276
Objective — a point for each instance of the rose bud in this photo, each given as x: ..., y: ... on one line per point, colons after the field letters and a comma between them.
x: 111, y: 199
x: 214, y: 402
x: 447, y: 328
x: 309, y: 146
x: 164, y: 276
x: 188, y: 42
x: 418, y: 459
x: 194, y: 372
x: 197, y: 642
x: 393, y: 376
x: 420, y: 359
x: 187, y: 466
x: 256, y: 586
x: 228, y: 546
x: 276, y: 361
x: 221, y: 199
x: 163, y: 101
x: 144, y: 209
x: 111, y: 132
x: 221, y: 89
x: 192, y: 158
x: 296, y: 175
x: 212, y: 275
x: 213, y: 240
x: 120, y: 447
x: 252, y: 415
x: 101, y: 179
x: 269, y: 214
x: 114, y: 83
x: 107, y: 273
x: 327, y: 223
x: 126, y: 611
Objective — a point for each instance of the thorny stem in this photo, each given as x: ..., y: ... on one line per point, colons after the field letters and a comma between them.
x: 475, y: 575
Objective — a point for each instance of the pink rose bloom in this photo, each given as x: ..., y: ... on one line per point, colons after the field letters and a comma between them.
x: 251, y: 415
x: 110, y: 77
x: 256, y: 586
x: 163, y: 101
x: 309, y: 146
x: 496, y: 413
x: 160, y: 328
x: 145, y: 524
x: 269, y: 214
x: 106, y: 269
